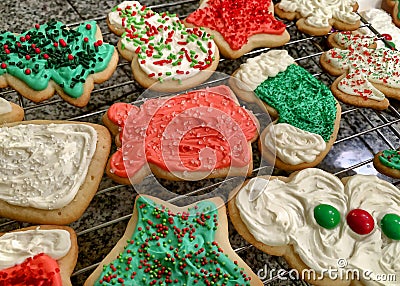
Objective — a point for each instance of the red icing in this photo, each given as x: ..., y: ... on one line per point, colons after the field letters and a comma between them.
x: 360, y: 221
x: 198, y: 131
x: 41, y: 270
x: 237, y: 20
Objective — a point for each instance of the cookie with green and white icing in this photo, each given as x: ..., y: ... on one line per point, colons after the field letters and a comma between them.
x: 306, y: 114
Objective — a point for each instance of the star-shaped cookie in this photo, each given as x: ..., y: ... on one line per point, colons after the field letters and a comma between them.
x: 239, y: 25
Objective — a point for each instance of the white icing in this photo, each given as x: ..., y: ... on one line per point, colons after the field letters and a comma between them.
x: 293, y: 145
x: 15, y: 247
x: 282, y: 213
x: 43, y: 166
x: 148, y: 65
x: 382, y: 22
x: 317, y: 13
x: 256, y: 70
x: 5, y: 106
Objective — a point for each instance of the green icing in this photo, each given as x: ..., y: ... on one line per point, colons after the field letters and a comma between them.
x: 33, y: 58
x: 391, y: 159
x: 173, y: 249
x: 301, y: 100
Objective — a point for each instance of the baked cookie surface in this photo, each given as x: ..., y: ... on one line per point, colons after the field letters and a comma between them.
x: 160, y: 235
x: 200, y: 134
x: 52, y: 58
x: 306, y: 115
x: 239, y: 26
x: 316, y: 17
x: 366, y: 75
x: 161, y: 48
x: 317, y: 221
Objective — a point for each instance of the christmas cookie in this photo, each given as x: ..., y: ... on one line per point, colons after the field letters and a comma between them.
x: 392, y: 7
x: 320, y: 223
x: 167, y: 245
x: 50, y: 170
x: 381, y: 22
x: 388, y: 162
x: 239, y: 26
x: 316, y: 17
x: 191, y: 136
x: 306, y: 114
x: 51, y: 58
x: 38, y: 255
x: 366, y: 75
x: 10, y: 112
x: 161, y: 48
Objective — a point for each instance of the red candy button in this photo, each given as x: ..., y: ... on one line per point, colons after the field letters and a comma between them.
x: 360, y: 221
x: 387, y: 37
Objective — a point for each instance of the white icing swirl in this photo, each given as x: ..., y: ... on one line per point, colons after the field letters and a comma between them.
x: 17, y: 246
x: 382, y: 22
x: 43, y: 166
x: 279, y: 213
x: 256, y: 70
x: 293, y: 145
x: 180, y: 34
x: 318, y: 13
x: 5, y: 106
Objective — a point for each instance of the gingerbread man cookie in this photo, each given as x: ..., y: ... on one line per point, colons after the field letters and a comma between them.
x: 52, y: 58
x: 320, y: 223
x: 366, y: 75
x: 316, y: 17
x: 239, y: 26
x: 200, y: 134
x: 161, y: 48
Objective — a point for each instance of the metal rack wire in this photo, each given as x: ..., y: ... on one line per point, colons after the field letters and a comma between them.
x: 369, y: 129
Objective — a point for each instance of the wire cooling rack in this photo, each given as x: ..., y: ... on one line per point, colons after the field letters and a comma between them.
x: 363, y: 132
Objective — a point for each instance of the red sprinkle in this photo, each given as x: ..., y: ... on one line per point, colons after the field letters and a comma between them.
x: 28, y: 71
x: 3, y: 65
x: 28, y: 57
x: 37, y: 26
x: 45, y: 56
x: 70, y: 57
x: 86, y: 39
x: 88, y: 26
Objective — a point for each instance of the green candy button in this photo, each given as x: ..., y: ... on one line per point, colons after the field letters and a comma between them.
x: 390, y: 225
x: 327, y: 216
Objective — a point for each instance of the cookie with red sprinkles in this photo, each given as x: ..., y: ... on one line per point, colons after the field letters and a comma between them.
x: 38, y: 255
x: 239, y: 26
x: 161, y: 49
x: 169, y: 245
x: 53, y: 58
x: 366, y: 75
